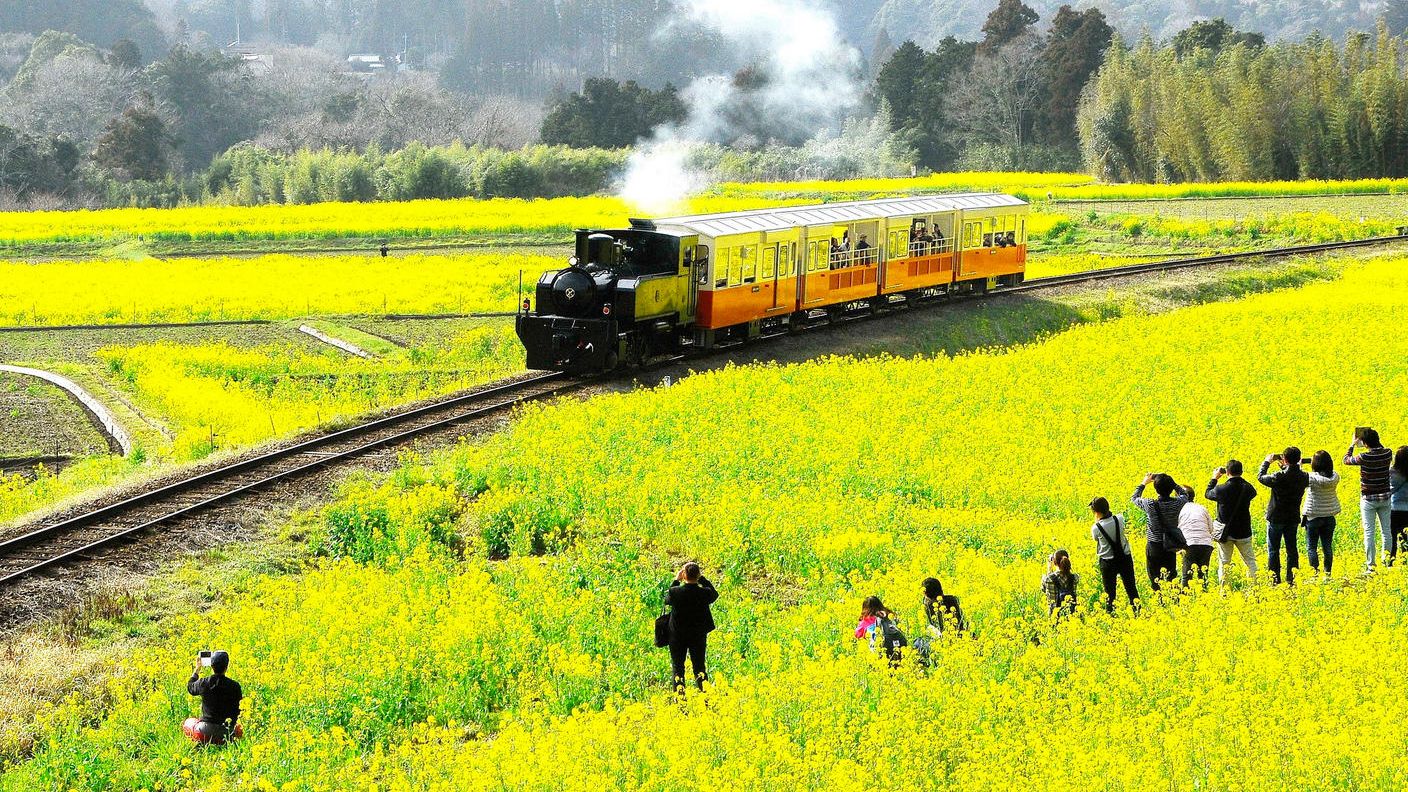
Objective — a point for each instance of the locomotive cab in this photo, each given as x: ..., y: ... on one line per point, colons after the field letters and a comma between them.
x: 621, y: 298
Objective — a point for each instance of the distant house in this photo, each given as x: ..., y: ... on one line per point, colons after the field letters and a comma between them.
x: 368, y: 64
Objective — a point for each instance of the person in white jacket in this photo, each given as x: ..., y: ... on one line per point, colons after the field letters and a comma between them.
x: 1195, y: 523
x: 1322, y: 503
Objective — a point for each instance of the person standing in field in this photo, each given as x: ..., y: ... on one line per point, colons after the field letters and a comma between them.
x: 1112, y: 553
x: 1233, y: 528
x: 691, y: 621
x: 1398, y: 502
x: 1060, y: 584
x: 1160, y: 545
x: 1287, y: 486
x: 1195, y: 523
x: 1322, y: 503
x: 1374, y: 489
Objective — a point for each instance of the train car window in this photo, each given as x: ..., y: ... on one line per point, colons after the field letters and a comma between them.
x: 748, y: 255
x: 769, y: 263
x: 784, y: 260
x: 820, y: 252
x: 1022, y: 231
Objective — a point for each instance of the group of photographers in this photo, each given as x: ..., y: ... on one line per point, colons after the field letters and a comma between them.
x: 1177, y: 523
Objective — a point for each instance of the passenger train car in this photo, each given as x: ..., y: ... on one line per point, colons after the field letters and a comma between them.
x: 719, y: 279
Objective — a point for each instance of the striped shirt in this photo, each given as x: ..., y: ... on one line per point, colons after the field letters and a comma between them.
x: 1373, y: 471
x: 1161, y: 512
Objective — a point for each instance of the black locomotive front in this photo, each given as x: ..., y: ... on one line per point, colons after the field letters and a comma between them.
x: 574, y: 327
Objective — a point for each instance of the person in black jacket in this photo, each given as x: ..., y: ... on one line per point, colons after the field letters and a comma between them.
x: 1287, y: 487
x: 1234, y: 499
x: 691, y: 621
x: 219, y: 703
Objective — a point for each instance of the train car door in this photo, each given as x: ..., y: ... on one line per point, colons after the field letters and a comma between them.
x: 698, y: 263
x: 772, y: 273
x: 969, y: 243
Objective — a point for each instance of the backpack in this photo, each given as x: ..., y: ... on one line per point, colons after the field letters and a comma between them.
x: 891, y: 638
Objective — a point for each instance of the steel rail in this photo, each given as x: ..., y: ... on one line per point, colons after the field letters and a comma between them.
x: 10, y: 547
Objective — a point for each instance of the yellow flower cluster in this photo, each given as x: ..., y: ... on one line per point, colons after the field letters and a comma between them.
x: 425, y: 218
x: 558, y: 216
x: 263, y: 287
x: 428, y: 664
x: 217, y: 395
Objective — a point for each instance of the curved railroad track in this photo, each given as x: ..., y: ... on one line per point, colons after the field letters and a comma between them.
x: 75, y: 538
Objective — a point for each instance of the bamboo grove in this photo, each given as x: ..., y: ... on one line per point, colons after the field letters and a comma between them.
x: 1312, y: 109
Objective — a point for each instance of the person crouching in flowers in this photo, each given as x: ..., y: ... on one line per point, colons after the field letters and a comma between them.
x: 1060, y: 583
x: 878, y: 626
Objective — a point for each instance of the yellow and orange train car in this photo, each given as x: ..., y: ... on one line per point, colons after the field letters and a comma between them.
x: 717, y: 279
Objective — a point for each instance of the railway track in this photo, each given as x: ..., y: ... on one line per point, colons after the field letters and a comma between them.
x: 79, y: 537
x: 1168, y: 265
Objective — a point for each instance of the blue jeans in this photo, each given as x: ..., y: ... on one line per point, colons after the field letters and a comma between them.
x: 1274, y: 535
x: 1369, y: 511
x: 1320, y: 535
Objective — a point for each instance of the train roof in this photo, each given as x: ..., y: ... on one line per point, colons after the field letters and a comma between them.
x: 784, y: 217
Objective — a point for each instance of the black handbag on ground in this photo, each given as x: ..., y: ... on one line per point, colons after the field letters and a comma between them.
x: 662, y: 629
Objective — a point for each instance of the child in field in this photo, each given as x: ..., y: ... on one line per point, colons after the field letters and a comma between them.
x: 1060, y: 584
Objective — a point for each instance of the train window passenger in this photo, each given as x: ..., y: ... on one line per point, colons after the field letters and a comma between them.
x: 865, y: 255
x: 936, y: 242
x: 987, y: 240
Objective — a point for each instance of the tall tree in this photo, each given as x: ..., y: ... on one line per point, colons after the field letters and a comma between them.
x: 1213, y: 35
x: 995, y: 102
x: 135, y: 144
x: 899, y: 83
x: 1075, y: 47
x: 1008, y: 22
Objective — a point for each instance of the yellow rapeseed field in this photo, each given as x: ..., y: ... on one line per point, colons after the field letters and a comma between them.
x: 262, y: 287
x: 482, y: 620
x: 558, y: 216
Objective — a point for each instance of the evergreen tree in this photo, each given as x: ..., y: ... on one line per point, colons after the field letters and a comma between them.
x: 1006, y: 24
x: 1074, y: 49
x: 135, y: 144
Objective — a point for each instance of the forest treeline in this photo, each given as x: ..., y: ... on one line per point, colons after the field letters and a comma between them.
x: 83, y: 124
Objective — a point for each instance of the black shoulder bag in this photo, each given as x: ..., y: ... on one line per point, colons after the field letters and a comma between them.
x: 662, y: 624
x: 1117, y: 547
x: 1173, y: 537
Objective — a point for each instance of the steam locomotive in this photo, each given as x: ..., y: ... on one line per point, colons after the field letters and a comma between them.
x: 707, y: 281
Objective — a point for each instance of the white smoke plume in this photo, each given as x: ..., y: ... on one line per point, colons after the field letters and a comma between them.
x: 811, y: 85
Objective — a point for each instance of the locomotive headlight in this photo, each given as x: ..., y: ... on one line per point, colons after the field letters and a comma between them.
x: 606, y: 310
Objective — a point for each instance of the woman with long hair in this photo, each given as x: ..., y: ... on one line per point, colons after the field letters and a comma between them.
x: 1322, y: 503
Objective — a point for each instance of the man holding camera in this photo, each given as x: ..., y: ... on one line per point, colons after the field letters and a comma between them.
x: 1287, y: 487
x: 1162, y: 539
x: 1233, y: 528
x: 219, y: 702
